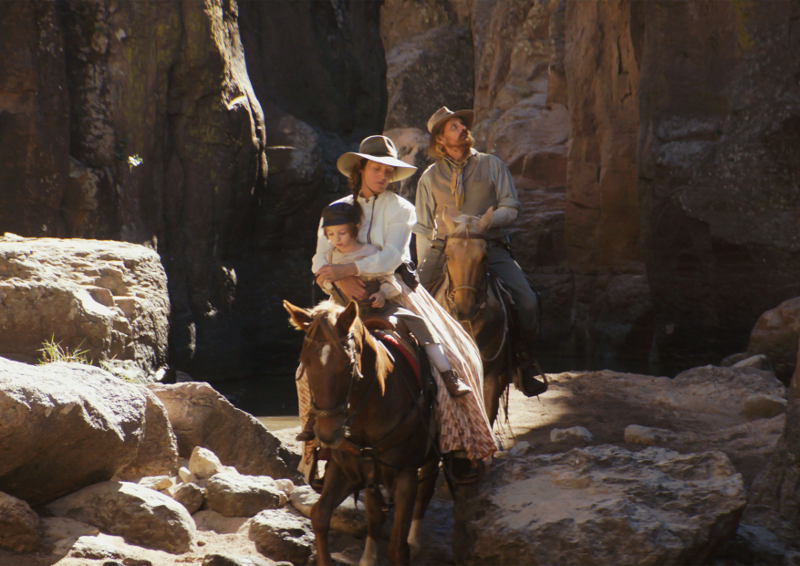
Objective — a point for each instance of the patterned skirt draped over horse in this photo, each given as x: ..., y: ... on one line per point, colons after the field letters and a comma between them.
x: 463, y: 424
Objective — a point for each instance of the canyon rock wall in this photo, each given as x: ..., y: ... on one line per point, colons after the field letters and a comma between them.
x: 718, y: 174
x: 651, y: 144
x: 116, y: 128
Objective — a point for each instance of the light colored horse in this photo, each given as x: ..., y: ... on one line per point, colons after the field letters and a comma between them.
x: 472, y: 295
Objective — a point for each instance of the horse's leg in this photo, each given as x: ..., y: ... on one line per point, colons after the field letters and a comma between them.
x: 405, y: 494
x: 428, y: 475
x: 337, y: 488
x: 375, y: 518
x: 492, y: 390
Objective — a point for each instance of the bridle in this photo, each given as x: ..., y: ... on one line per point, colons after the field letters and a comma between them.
x: 481, y: 294
x: 348, y: 347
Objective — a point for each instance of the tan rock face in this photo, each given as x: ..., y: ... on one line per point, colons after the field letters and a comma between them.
x: 65, y: 426
x: 108, y: 298
x: 602, y: 214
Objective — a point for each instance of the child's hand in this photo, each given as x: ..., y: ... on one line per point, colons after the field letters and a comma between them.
x: 377, y: 300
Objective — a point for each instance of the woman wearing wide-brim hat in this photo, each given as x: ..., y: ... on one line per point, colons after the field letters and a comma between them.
x: 386, y: 222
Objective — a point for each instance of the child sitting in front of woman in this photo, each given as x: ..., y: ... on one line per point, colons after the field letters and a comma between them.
x: 340, y: 224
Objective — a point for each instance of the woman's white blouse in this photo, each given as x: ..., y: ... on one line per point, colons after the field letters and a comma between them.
x: 386, y: 223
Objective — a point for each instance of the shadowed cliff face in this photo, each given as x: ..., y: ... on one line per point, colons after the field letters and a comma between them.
x: 719, y: 177
x: 137, y: 121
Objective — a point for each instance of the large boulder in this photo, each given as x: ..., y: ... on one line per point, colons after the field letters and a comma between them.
x: 106, y: 298
x: 775, y: 335
x: 143, y: 516
x: 202, y: 417
x: 717, y: 168
x: 64, y: 426
x: 601, y: 505
x: 19, y: 525
x: 158, y: 450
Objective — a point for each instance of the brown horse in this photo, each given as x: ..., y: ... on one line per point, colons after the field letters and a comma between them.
x: 373, y: 414
x: 472, y: 295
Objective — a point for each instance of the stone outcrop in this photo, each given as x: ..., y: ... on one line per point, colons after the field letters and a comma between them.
x: 776, y: 335
x: 158, y: 450
x: 19, y: 525
x: 202, y: 417
x: 65, y: 426
x: 106, y: 298
x: 141, y: 515
x: 717, y: 169
x: 603, y: 505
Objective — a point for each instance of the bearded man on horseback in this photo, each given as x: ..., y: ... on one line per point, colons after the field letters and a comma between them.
x: 470, y: 182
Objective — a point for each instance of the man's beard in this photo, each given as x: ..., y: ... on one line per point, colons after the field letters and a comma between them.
x: 464, y: 143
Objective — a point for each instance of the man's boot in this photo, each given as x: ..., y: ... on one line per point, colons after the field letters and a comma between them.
x: 530, y: 386
x: 456, y: 386
x: 307, y: 434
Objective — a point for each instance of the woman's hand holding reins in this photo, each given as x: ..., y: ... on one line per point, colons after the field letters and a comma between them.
x: 334, y: 273
x: 344, y: 277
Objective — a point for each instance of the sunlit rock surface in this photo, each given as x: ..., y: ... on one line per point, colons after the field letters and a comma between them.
x: 601, y: 505
x: 64, y: 426
x: 105, y: 298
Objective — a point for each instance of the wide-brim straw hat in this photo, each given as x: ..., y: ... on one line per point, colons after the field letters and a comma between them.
x: 444, y: 114
x: 379, y: 149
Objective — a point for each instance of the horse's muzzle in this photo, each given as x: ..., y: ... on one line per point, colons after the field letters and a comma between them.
x: 329, y: 437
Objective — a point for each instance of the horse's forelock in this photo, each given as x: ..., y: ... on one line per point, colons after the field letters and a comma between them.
x: 464, y: 223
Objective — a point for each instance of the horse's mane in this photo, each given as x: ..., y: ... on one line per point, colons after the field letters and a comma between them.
x: 465, y: 224
x: 329, y: 311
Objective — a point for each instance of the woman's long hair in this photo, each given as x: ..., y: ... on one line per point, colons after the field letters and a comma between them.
x: 354, y: 181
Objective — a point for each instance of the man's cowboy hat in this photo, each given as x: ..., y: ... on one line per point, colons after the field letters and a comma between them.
x: 379, y: 149
x: 444, y: 114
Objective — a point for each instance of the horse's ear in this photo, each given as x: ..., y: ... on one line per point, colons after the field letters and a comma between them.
x: 347, y: 317
x: 298, y: 317
x: 447, y: 218
x: 486, y: 220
